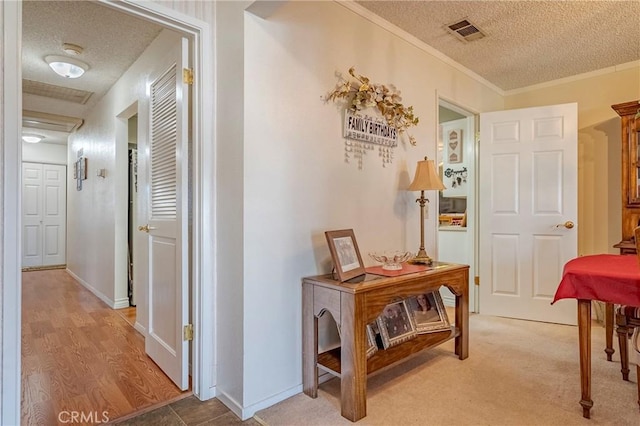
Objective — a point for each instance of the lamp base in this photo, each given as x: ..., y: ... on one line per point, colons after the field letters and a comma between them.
x: 421, y: 260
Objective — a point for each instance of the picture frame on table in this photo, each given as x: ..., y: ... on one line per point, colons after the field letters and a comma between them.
x: 396, y: 324
x: 428, y: 312
x: 345, y: 254
x: 372, y: 346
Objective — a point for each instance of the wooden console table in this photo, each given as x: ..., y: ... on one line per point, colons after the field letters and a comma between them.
x: 353, y: 306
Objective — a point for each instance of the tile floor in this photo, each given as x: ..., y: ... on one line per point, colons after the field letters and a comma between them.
x: 189, y: 412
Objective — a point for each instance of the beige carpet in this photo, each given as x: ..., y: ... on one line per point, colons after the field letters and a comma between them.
x: 517, y: 373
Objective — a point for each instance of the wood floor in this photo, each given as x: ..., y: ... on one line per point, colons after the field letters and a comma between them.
x: 78, y: 355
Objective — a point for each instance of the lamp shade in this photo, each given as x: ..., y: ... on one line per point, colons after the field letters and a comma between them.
x: 426, y: 177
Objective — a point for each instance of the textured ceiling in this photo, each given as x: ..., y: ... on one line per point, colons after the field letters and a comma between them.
x: 528, y: 42
x: 112, y: 41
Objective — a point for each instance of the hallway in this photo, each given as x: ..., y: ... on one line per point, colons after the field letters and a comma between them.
x: 78, y: 355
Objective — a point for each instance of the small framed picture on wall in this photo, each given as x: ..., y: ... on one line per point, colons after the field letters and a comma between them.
x: 453, y: 141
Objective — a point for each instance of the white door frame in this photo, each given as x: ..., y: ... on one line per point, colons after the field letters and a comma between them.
x: 203, y: 174
x: 472, y: 199
x: 11, y: 199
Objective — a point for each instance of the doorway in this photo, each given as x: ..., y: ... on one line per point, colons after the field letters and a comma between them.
x: 132, y: 151
x: 44, y: 218
x: 98, y: 204
x: 195, y: 30
x: 457, y: 208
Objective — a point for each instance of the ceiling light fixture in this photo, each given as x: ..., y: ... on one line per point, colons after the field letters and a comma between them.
x: 72, y: 49
x: 32, y: 138
x: 66, y: 67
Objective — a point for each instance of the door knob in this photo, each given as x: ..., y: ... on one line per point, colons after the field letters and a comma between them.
x: 146, y: 228
x: 568, y: 224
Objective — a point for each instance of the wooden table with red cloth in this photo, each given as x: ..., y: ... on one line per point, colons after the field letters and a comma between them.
x: 608, y: 278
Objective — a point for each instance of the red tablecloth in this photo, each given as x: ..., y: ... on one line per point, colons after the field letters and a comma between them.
x: 606, y: 277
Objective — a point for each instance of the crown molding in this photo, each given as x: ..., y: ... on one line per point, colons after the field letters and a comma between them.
x: 398, y: 32
x: 577, y: 77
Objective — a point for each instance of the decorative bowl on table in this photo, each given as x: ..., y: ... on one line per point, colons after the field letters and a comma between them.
x: 391, y: 260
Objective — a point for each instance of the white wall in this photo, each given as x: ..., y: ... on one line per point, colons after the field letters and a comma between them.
x: 283, y: 176
x: 296, y: 182
x: 229, y: 186
x: 97, y: 214
x: 44, y: 153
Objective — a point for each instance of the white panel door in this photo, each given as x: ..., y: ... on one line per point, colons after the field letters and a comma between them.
x: 54, y: 214
x: 32, y: 222
x: 528, y: 191
x: 44, y: 200
x: 167, y: 207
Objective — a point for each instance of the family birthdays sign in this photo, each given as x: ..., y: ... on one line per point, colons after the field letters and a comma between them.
x: 368, y: 129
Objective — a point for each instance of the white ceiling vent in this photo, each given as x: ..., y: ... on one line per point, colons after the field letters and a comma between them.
x: 56, y: 92
x: 44, y: 121
x: 465, y: 30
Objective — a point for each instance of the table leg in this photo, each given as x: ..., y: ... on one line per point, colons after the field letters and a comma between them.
x: 309, y: 343
x: 584, y: 337
x: 608, y: 324
x: 353, y: 358
x: 462, y: 322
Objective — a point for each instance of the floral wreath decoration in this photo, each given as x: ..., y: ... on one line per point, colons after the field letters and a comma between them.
x: 361, y: 94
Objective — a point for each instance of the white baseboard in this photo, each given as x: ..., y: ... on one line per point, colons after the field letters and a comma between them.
x: 449, y: 300
x: 231, y: 403
x: 121, y: 303
x: 93, y: 290
x: 247, y: 412
x: 325, y: 377
x: 140, y: 328
x: 208, y: 393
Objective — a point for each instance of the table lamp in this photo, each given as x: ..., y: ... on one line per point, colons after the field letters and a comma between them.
x: 425, y: 179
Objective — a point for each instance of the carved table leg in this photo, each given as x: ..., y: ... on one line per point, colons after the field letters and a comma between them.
x: 608, y: 323
x: 623, y: 336
x: 584, y: 337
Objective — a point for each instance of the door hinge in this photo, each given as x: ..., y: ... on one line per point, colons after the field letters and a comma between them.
x: 187, y: 76
x: 187, y: 333
x: 476, y: 280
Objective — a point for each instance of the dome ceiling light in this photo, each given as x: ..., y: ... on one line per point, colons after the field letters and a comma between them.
x: 66, y: 67
x: 32, y: 138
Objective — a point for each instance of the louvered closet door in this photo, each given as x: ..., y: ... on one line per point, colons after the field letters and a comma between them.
x: 167, y: 207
